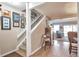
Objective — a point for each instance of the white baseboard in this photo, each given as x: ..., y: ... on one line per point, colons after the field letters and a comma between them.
x: 35, y: 50
x: 8, y: 52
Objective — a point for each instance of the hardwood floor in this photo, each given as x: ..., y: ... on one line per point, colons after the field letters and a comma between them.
x: 18, y: 53
x: 14, y: 54
x: 21, y: 52
x: 58, y: 49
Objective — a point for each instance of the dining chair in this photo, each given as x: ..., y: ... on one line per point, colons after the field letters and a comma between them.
x: 72, y: 36
x: 46, y: 38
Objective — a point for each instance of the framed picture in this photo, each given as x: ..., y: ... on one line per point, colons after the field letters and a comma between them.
x: 5, y: 23
x: 6, y: 13
x: 16, y: 19
x: 23, y: 21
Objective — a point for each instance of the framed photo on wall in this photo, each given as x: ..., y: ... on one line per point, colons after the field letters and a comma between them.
x: 5, y: 23
x: 6, y: 13
x: 16, y: 19
x: 23, y: 21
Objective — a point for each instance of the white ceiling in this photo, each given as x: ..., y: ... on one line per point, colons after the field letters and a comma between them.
x: 18, y: 5
x: 58, y: 9
x: 34, y: 4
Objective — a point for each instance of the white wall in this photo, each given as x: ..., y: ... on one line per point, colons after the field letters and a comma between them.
x: 37, y: 34
x: 64, y: 21
x: 8, y: 38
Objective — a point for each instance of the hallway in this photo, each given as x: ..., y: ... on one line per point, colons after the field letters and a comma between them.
x: 59, y: 49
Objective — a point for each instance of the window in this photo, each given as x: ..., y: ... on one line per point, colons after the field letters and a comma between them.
x: 56, y: 28
x: 68, y: 28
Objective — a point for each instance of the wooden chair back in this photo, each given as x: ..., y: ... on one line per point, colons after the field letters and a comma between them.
x: 71, y: 36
